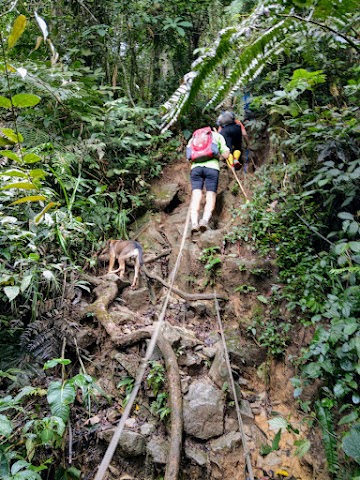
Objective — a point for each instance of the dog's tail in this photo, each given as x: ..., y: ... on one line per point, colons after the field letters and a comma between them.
x: 141, y: 258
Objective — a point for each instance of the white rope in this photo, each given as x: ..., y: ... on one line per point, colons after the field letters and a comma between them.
x: 104, y: 465
x: 241, y: 424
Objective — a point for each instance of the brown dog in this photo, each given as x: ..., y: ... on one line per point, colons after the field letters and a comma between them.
x: 121, y: 250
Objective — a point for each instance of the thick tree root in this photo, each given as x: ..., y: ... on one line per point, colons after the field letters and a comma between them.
x: 175, y: 395
x: 190, y: 297
x: 106, y: 291
x: 176, y: 414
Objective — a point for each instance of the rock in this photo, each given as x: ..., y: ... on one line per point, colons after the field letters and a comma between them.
x: 210, y: 352
x: 164, y: 194
x: 129, y: 361
x: 185, y: 383
x: 131, y: 423
x: 196, y: 453
x: 147, y: 429
x: 231, y: 425
x: 219, y: 372
x: 187, y: 359
x: 211, y: 238
x: 241, y: 355
x: 200, y: 308
x: 226, y: 442
x: 136, y: 299
x: 131, y: 444
x: 158, y: 449
x: 175, y: 334
x: 271, y: 460
x: 204, y: 410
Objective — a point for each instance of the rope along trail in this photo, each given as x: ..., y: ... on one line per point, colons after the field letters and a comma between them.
x: 241, y: 425
x: 104, y: 465
x: 150, y: 349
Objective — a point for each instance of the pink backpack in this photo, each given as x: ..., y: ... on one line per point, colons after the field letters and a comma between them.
x: 202, y: 146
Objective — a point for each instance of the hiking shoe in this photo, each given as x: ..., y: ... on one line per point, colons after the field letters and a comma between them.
x: 194, y: 229
x: 203, y: 225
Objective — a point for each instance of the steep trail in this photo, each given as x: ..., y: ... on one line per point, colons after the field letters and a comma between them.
x: 263, y: 382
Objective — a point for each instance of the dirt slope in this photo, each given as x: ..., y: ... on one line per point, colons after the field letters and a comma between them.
x: 263, y: 382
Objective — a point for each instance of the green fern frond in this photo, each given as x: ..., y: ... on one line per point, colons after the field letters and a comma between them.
x: 257, y: 40
x: 329, y: 437
x: 339, y: 271
x: 252, y: 60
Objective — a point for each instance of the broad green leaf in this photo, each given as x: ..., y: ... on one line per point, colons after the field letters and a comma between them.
x: 30, y: 448
x: 351, y: 443
x: 30, y: 198
x: 22, y: 100
x: 38, y: 173
x: 338, y: 390
x: 5, y: 426
x: 278, y: 423
x: 5, y: 102
x: 31, y: 158
x: 262, y: 299
x: 353, y: 228
x: 42, y: 213
x: 346, y: 216
x: 25, y: 282
x: 20, y: 185
x: 351, y: 417
x: 11, y: 135
x: 12, y: 292
x: 60, y: 396
x: 355, y: 246
x: 14, y: 173
x: 4, y: 142
x: 17, y: 30
x: 303, y: 447
x: 26, y: 475
x: 11, y: 155
x: 341, y: 248
x: 276, y: 441
x: 19, y: 465
x: 312, y: 370
x: 56, y: 361
x: 47, y: 436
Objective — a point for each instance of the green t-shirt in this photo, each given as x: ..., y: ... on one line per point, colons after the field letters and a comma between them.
x: 213, y: 162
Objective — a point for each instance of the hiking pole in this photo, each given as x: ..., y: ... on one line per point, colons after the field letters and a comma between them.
x: 231, y: 166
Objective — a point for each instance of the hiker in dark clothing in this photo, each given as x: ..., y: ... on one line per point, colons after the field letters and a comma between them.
x: 232, y: 130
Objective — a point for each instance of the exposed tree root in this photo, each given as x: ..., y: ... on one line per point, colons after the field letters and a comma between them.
x: 106, y: 292
x: 190, y: 297
x: 175, y: 395
x: 176, y: 413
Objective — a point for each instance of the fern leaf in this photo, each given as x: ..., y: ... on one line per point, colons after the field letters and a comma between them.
x: 329, y: 437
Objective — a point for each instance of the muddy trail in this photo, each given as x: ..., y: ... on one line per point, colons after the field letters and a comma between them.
x: 114, y: 324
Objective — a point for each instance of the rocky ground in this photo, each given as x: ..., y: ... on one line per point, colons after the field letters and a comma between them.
x: 212, y: 446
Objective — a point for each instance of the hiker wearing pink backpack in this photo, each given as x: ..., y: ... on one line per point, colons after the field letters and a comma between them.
x: 204, y: 150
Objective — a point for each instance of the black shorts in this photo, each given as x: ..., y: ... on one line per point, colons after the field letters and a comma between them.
x: 201, y: 175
